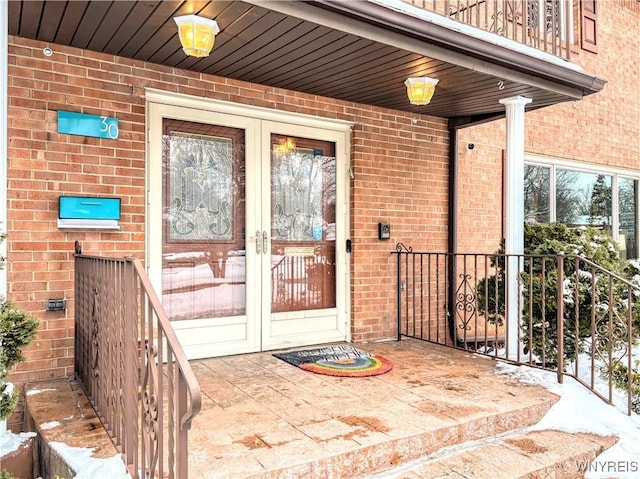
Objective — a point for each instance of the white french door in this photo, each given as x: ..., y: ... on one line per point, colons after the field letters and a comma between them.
x: 247, y: 223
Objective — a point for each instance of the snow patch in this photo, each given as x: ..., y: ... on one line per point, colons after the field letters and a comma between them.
x: 49, y: 425
x: 31, y: 392
x: 579, y: 410
x: 12, y: 442
x: 87, y: 467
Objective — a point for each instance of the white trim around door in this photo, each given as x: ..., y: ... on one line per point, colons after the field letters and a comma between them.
x: 259, y: 324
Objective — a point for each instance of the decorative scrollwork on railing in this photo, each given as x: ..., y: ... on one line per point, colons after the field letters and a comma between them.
x: 466, y: 302
x: 95, y: 334
x: 497, y: 26
x: 611, y: 339
x: 150, y: 408
x: 401, y: 248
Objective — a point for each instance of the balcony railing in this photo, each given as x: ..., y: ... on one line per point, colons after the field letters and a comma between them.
x: 542, y: 24
x: 561, y: 313
x: 132, y: 366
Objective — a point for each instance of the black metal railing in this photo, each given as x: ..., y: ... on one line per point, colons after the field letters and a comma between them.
x: 561, y: 313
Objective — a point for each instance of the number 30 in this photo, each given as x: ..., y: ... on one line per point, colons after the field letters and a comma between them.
x: 110, y: 128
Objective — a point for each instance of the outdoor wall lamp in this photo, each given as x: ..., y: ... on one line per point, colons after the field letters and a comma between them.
x: 420, y: 90
x: 197, y: 34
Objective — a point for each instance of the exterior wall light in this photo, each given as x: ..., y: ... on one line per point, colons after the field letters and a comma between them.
x: 197, y: 34
x: 420, y: 90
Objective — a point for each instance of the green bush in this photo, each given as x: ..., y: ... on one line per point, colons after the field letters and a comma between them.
x: 539, y: 283
x: 17, y: 329
x: 587, y: 243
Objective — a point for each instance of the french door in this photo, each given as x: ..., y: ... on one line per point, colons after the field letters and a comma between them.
x: 246, y: 230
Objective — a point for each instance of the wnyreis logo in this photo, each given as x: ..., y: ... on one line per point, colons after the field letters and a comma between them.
x: 613, y: 467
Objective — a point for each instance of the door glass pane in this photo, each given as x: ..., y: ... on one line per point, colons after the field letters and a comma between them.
x: 583, y: 199
x: 628, y: 201
x: 537, y: 189
x: 203, y: 273
x: 303, y: 206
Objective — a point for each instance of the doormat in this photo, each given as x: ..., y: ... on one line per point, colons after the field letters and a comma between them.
x: 344, y: 361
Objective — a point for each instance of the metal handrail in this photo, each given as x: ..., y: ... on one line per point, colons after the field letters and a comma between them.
x: 541, y: 24
x: 465, y: 301
x: 132, y: 366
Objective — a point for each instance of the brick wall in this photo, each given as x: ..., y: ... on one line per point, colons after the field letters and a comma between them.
x: 400, y: 176
x: 601, y: 129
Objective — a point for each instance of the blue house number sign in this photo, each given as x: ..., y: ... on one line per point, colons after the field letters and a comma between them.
x: 82, y: 124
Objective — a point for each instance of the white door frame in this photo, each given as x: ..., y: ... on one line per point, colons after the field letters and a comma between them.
x: 159, y: 105
x: 282, y: 330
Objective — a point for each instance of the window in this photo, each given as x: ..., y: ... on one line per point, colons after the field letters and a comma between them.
x: 628, y: 217
x: 536, y: 194
x: 583, y: 199
x: 605, y: 200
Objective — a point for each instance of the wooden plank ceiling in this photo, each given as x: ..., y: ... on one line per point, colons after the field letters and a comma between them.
x: 263, y: 46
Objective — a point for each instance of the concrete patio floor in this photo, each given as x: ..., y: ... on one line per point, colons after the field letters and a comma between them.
x: 263, y: 418
x: 439, y: 413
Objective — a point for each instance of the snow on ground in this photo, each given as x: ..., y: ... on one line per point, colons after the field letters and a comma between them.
x: 87, y: 467
x: 579, y: 410
x: 10, y: 442
x: 49, y: 425
x: 31, y: 392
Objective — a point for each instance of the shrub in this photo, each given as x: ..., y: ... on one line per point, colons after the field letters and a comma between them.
x: 585, y: 297
x: 587, y: 243
x: 17, y: 329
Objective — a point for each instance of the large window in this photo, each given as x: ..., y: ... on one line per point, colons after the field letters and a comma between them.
x: 604, y: 200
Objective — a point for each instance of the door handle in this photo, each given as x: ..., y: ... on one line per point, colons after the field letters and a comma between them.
x: 258, y: 242
x: 265, y: 242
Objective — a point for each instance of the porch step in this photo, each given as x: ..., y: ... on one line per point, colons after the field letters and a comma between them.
x: 381, y: 455
x: 263, y: 419
x: 63, y: 419
x: 392, y: 451
x: 547, y: 454
x: 438, y: 414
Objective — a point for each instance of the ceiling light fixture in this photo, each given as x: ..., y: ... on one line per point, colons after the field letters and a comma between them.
x: 285, y: 145
x: 420, y: 90
x: 197, y: 34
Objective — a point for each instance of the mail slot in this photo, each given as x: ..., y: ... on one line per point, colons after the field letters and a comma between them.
x: 88, y: 208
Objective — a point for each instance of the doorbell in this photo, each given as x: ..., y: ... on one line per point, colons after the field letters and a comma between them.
x: 384, y: 231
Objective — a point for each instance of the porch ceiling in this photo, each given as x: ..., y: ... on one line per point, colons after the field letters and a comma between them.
x: 322, y: 48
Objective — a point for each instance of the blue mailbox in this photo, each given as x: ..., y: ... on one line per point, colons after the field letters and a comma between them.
x: 81, y: 212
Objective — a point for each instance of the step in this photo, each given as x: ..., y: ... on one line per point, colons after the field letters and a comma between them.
x: 547, y: 454
x: 288, y: 423
x: 63, y: 419
x: 263, y: 419
x: 59, y: 412
x: 391, y: 451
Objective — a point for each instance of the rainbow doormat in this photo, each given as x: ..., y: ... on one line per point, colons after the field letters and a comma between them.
x: 343, y: 361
